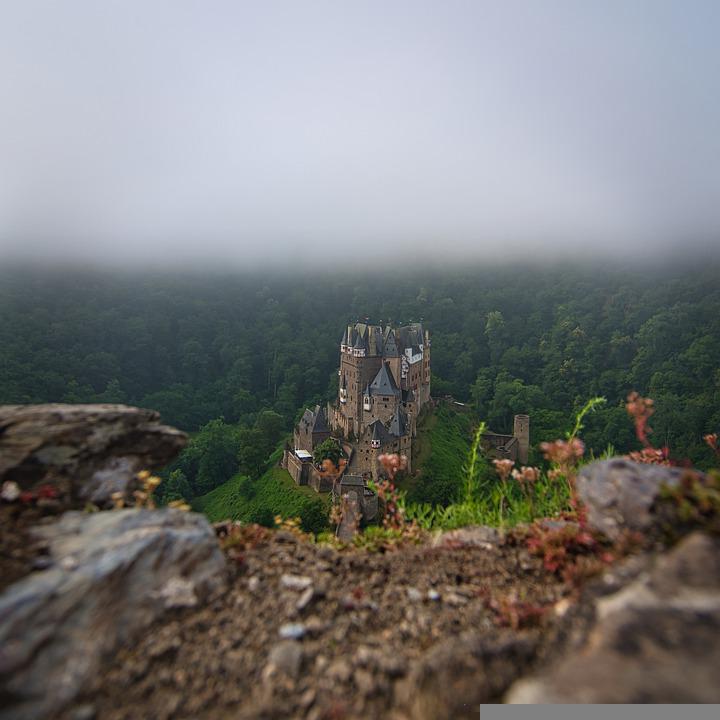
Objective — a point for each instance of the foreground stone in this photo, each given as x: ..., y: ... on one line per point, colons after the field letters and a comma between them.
x: 620, y: 494
x: 88, y: 452
x: 112, y: 575
x: 459, y: 674
x: 657, y: 640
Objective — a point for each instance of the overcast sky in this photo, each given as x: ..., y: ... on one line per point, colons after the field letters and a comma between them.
x: 227, y: 131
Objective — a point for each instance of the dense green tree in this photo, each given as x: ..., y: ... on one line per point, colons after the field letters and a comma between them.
x: 537, y: 339
x: 328, y: 449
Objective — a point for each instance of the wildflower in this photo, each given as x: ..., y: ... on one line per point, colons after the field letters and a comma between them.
x: 563, y: 453
x: 640, y: 409
x: 711, y: 441
x: 47, y: 492
x: 153, y: 481
x: 503, y: 468
x: 118, y: 500
x: 143, y: 475
x: 526, y: 476
x: 179, y: 505
x: 393, y: 463
x: 650, y: 456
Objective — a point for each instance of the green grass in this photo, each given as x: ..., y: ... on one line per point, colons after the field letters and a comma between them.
x: 480, y: 497
x: 439, y: 453
x: 275, y: 493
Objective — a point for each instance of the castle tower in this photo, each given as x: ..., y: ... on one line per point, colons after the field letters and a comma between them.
x: 521, y: 430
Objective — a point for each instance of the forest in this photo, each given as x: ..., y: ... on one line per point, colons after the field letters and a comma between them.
x: 234, y: 358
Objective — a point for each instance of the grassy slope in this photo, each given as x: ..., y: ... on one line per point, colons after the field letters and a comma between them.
x: 275, y: 491
x: 439, y: 453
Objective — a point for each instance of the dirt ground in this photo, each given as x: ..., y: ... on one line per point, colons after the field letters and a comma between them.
x: 306, y: 631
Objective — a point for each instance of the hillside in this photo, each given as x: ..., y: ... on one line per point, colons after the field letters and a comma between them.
x: 274, y: 493
x: 440, y: 451
x: 506, y: 340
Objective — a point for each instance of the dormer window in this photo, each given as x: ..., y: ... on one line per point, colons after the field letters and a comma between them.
x: 366, y: 402
x: 375, y: 444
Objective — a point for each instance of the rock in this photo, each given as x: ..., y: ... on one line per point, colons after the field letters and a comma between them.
x: 620, y: 494
x: 293, y: 631
x: 305, y: 599
x: 454, y: 599
x: 339, y: 670
x: 286, y: 657
x: 114, y: 573
x: 657, y: 640
x: 84, y: 712
x: 178, y: 592
x: 10, y: 491
x: 364, y: 682
x: 413, y: 594
x: 295, y: 582
x: 460, y: 673
x: 88, y: 452
x: 473, y: 536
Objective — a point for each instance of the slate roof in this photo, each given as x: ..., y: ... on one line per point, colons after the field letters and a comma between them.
x: 398, y: 424
x: 384, y: 383
x: 390, y: 349
x: 315, y: 421
x: 379, y: 432
x: 385, y: 341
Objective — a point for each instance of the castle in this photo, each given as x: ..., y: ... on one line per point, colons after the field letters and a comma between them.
x: 383, y: 384
x: 384, y: 381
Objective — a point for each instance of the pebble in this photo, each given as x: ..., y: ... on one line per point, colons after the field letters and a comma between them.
x: 306, y: 598
x: 84, y: 712
x: 433, y: 595
x: 455, y: 600
x: 340, y: 670
x: 294, y: 631
x: 286, y: 657
x: 315, y: 625
x: 307, y: 698
x: 253, y: 583
x: 364, y: 681
x: 295, y: 582
x: 414, y: 595
x: 10, y: 491
x: 68, y: 563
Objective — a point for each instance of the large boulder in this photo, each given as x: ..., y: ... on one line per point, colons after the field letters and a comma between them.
x: 656, y: 640
x: 112, y: 574
x: 460, y: 673
x: 619, y: 494
x: 88, y: 452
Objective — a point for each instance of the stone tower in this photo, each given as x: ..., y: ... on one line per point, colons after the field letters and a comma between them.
x: 521, y: 430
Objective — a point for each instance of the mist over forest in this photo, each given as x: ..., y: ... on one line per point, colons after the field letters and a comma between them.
x: 510, y: 339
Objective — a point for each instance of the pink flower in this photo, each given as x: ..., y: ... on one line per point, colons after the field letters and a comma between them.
x: 503, y: 468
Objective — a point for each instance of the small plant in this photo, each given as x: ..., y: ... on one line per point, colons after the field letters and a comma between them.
x: 694, y: 502
x: 144, y: 498
x: 640, y: 410
x: 511, y: 612
x: 291, y: 525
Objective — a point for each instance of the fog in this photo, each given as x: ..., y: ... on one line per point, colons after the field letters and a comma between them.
x: 215, y: 133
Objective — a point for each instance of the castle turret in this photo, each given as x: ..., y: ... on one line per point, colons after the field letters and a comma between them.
x: 521, y: 430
